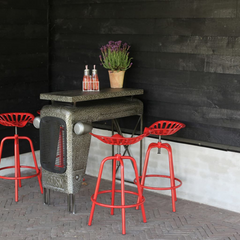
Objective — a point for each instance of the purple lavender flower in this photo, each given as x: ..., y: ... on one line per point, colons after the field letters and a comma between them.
x: 115, y: 56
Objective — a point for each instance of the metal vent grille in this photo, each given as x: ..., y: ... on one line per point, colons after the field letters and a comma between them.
x: 53, y: 149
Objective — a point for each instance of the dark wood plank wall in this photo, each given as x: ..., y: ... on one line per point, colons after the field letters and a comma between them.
x: 23, y: 63
x: 186, y: 58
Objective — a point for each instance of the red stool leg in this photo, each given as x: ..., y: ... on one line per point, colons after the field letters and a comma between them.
x: 1, y: 148
x: 2, y: 142
x: 17, y: 166
x: 18, y: 162
x: 122, y: 196
x: 172, y: 177
x: 113, y: 184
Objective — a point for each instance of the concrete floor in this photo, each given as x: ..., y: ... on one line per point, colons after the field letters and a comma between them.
x: 30, y: 219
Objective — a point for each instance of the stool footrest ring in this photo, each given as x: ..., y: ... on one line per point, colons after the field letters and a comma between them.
x: 160, y: 188
x: 118, y: 206
x: 22, y: 177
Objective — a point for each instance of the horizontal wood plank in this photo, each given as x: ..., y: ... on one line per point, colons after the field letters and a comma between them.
x: 197, y: 27
x: 157, y: 9
x: 26, y: 31
x: 160, y: 60
x: 229, y: 46
x: 186, y: 113
x: 31, y: 4
x: 163, y: 26
x: 27, y: 61
x: 23, y: 46
x: 22, y: 16
x: 17, y: 90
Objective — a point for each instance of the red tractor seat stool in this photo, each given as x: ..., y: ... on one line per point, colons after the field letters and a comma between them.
x: 118, y: 140
x: 18, y: 120
x: 162, y: 128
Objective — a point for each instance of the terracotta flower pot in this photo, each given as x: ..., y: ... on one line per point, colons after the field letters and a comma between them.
x: 116, y: 78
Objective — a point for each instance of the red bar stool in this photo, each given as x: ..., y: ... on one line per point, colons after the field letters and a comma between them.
x: 162, y: 128
x: 118, y: 140
x: 19, y: 120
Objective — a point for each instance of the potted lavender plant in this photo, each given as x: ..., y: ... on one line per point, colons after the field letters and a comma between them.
x: 115, y: 58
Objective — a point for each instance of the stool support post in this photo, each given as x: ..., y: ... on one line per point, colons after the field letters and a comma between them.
x: 140, y: 157
x: 159, y: 141
x: 113, y: 183
x: 15, y: 128
x: 122, y: 195
x: 17, y: 166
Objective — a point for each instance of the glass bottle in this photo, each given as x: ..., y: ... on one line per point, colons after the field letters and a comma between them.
x: 86, y: 79
x: 95, y: 79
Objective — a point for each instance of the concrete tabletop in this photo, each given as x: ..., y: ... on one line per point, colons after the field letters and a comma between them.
x: 74, y: 96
